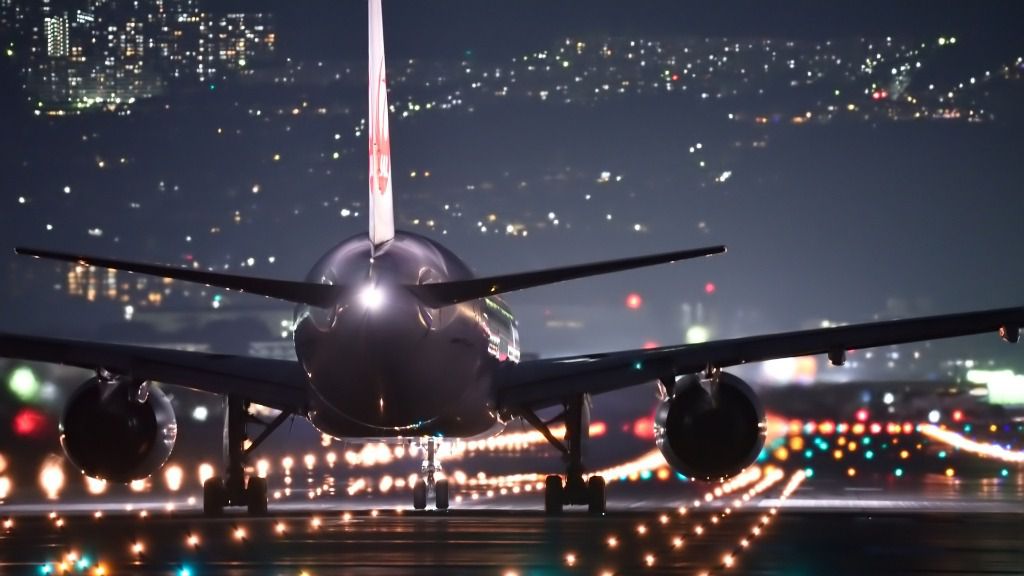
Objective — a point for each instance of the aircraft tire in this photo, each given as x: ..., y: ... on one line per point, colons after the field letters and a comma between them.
x: 554, y: 495
x: 215, y: 496
x: 596, y: 499
x: 256, y: 496
x: 419, y: 495
x: 441, y: 494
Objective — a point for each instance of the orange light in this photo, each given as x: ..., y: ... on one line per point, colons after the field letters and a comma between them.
x: 851, y: 472
x: 950, y: 472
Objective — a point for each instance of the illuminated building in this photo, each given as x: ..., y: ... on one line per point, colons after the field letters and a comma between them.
x: 56, y: 36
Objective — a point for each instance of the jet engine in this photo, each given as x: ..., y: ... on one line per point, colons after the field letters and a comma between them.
x: 118, y: 431
x: 710, y: 429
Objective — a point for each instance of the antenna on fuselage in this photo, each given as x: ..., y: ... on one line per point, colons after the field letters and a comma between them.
x: 382, y: 215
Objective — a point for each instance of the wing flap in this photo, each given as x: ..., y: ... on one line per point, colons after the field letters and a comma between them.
x: 546, y: 382
x: 277, y: 384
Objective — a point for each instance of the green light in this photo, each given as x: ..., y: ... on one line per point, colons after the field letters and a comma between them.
x: 23, y: 383
x: 808, y: 453
x: 866, y: 441
x: 213, y: 87
x: 869, y: 454
x: 638, y: 365
x: 1004, y: 472
x: 10, y: 53
x: 942, y: 454
x: 217, y: 297
x: 809, y: 472
x: 898, y: 472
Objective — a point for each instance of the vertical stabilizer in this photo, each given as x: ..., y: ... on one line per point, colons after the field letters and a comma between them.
x: 382, y: 216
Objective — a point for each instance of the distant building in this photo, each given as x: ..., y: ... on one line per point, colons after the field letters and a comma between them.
x: 56, y: 30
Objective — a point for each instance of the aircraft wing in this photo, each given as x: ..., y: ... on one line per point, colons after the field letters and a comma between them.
x: 276, y: 384
x: 547, y: 382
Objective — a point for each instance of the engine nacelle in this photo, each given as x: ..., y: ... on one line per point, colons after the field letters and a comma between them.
x: 118, y: 431
x: 710, y: 432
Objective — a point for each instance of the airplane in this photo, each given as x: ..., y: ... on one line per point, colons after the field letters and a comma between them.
x: 396, y: 340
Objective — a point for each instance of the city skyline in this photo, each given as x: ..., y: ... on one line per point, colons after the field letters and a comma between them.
x: 736, y: 121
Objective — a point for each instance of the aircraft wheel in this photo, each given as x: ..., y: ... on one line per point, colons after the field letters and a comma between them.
x: 441, y: 494
x: 596, y: 500
x: 419, y: 495
x: 554, y: 496
x: 256, y: 496
x: 215, y: 496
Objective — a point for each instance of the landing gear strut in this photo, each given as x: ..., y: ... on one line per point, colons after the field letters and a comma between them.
x: 232, y: 489
x: 574, y: 490
x: 427, y: 481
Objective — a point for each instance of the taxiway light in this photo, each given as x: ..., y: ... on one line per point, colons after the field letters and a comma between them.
x: 612, y: 541
x: 137, y: 548
x: 240, y: 533
x: 193, y: 540
x: 649, y: 560
x: 205, y: 472
x: 173, y: 477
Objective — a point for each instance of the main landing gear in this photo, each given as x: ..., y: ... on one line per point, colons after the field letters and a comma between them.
x: 427, y: 482
x: 232, y: 489
x: 574, y: 490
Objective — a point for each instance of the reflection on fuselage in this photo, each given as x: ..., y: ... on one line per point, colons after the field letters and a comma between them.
x: 381, y: 364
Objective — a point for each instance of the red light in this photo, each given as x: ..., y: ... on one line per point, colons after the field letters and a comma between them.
x: 649, y: 345
x: 29, y: 422
x: 958, y: 415
x: 634, y: 301
x: 644, y: 428
x: 862, y: 415
x: 710, y: 288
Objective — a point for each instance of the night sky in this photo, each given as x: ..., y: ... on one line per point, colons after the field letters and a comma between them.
x: 848, y: 220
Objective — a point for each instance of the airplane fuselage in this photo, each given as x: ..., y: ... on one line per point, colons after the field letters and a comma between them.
x: 382, y: 364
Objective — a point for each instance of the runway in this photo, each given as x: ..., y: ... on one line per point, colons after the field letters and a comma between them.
x: 763, y: 526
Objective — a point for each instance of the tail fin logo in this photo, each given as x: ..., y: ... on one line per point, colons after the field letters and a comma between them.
x: 380, y: 142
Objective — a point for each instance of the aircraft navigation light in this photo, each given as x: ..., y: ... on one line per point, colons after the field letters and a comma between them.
x: 371, y: 297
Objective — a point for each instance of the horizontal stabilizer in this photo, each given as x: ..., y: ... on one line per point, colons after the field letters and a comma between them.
x: 320, y: 295
x: 446, y: 293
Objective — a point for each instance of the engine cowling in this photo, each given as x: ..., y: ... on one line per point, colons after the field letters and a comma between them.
x: 710, y: 432
x: 118, y: 431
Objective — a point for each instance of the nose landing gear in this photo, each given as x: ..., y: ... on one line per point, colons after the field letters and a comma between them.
x: 427, y: 482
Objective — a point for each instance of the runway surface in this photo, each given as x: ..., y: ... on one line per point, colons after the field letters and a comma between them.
x: 766, y: 525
